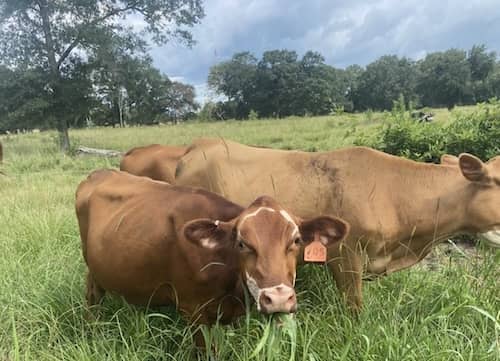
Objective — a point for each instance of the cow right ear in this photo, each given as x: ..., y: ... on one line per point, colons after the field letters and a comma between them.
x: 330, y: 230
x: 472, y: 168
x: 208, y: 233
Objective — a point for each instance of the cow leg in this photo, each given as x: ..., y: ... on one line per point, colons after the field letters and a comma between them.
x: 346, y: 265
x: 95, y: 293
x: 199, y: 339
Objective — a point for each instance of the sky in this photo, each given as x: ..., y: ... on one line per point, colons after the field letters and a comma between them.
x: 344, y: 32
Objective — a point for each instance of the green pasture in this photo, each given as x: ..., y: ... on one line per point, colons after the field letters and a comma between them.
x: 450, y: 311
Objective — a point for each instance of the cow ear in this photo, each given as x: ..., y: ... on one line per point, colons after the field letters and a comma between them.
x: 448, y: 159
x: 208, y: 233
x: 472, y: 167
x: 329, y: 229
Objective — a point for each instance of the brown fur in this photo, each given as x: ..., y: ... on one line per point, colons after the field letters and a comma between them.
x: 397, y: 208
x: 154, y: 161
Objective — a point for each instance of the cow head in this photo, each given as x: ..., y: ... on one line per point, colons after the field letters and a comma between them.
x: 268, y: 240
x: 483, y: 208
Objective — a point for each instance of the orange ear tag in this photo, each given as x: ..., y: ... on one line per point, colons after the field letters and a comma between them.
x: 315, y: 251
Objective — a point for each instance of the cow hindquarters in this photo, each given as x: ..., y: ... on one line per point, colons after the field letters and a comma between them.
x: 346, y: 264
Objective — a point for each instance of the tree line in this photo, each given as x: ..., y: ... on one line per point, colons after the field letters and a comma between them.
x: 281, y: 84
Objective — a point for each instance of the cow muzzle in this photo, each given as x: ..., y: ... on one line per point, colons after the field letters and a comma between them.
x: 492, y: 238
x: 280, y: 298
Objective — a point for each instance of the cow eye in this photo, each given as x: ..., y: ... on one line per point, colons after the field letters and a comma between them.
x: 296, y: 243
x: 242, y: 246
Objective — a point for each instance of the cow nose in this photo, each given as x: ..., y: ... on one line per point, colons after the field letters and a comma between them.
x: 278, y: 299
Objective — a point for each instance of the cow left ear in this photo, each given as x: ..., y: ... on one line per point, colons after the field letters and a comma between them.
x: 448, y: 159
x: 208, y: 233
x: 472, y: 167
x: 329, y: 229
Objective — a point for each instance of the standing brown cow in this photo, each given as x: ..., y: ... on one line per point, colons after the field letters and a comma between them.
x: 154, y: 161
x: 398, y: 209
x: 158, y: 244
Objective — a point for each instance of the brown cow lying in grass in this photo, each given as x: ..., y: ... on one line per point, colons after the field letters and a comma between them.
x: 157, y: 244
x: 154, y: 161
x: 398, y: 209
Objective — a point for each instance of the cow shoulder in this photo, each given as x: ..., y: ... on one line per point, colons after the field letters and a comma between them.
x: 87, y: 186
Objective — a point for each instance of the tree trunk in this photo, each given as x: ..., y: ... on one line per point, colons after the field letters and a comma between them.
x: 63, y: 135
x: 120, y: 108
x: 62, y: 126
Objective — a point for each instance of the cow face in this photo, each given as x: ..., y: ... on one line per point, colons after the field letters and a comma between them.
x: 483, y: 208
x: 268, y: 240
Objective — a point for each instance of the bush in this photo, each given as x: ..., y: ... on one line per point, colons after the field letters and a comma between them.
x: 253, y: 115
x: 477, y: 133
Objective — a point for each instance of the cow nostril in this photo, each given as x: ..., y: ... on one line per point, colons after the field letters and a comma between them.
x: 266, y: 300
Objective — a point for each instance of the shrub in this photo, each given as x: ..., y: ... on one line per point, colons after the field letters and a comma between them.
x: 253, y: 115
x: 477, y: 133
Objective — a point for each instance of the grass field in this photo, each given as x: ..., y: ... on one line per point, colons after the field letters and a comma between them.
x: 449, y: 313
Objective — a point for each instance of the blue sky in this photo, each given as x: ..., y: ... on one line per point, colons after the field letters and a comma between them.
x: 344, y: 32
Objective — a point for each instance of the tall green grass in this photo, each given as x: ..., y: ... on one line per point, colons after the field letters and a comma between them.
x: 452, y: 313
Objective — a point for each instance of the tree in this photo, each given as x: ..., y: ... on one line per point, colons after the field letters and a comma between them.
x: 277, y: 83
x: 493, y: 82
x: 482, y: 66
x: 23, y: 99
x: 236, y: 79
x: 350, y: 77
x: 384, y: 81
x: 181, y: 103
x: 47, y: 34
x: 481, y: 62
x: 445, y: 79
x: 130, y: 90
x: 320, y: 87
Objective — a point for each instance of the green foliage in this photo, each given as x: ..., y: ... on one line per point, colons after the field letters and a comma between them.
x: 253, y: 115
x: 476, y: 132
x: 206, y: 114
x: 216, y: 111
x: 481, y: 62
x: 338, y: 109
x: 236, y: 80
x: 279, y: 84
x: 445, y: 78
x: 384, y: 81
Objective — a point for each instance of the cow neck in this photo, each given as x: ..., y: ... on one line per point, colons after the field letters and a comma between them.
x: 422, y: 191
x: 437, y: 195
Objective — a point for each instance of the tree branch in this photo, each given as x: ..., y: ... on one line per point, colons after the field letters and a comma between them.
x: 77, y: 39
x: 68, y: 50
